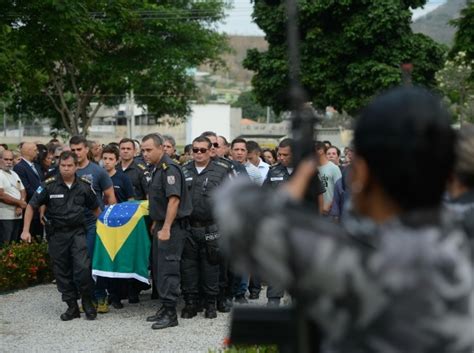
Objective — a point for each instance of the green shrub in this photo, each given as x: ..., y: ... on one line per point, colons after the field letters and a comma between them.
x: 23, y: 265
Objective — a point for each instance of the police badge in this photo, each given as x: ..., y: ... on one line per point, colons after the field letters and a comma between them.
x: 171, y: 180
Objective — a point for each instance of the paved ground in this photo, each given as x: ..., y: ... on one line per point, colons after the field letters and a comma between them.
x: 29, y: 322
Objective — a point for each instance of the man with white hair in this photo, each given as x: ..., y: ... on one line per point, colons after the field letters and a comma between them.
x: 12, y: 199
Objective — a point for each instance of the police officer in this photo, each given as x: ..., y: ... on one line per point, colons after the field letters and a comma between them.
x: 277, y: 175
x: 200, y: 262
x: 136, y: 171
x: 170, y: 206
x: 226, y: 275
x: 66, y: 196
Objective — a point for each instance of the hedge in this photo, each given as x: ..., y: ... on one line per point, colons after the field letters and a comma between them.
x: 23, y: 265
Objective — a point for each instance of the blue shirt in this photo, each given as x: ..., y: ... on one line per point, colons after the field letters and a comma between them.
x: 123, y: 187
x: 100, y: 181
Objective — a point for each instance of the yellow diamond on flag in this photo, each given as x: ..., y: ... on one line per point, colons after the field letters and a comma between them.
x: 113, y: 238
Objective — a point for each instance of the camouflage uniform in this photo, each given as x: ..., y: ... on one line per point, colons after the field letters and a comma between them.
x: 407, y: 286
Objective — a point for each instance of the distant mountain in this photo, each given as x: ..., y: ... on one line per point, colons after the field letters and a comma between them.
x: 436, y: 25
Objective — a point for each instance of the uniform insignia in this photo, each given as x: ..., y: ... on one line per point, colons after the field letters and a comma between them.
x: 56, y: 196
x: 50, y: 180
x: 141, y: 166
x: 39, y: 190
x: 222, y: 164
x: 164, y: 166
x: 189, y: 179
x: 171, y: 179
x: 86, y: 180
x: 276, y: 178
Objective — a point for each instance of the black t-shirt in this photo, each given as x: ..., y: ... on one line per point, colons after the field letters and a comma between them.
x: 167, y: 181
x: 123, y: 188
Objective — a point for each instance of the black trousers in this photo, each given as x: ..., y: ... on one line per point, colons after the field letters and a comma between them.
x: 199, y: 271
x: 166, y: 264
x: 255, y: 285
x: 9, y: 230
x: 71, y: 263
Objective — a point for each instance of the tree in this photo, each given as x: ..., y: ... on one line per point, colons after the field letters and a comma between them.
x: 350, y: 50
x: 455, y: 81
x: 77, y: 52
x: 464, y: 37
x: 250, y: 108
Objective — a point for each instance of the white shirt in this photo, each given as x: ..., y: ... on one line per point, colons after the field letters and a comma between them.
x: 11, y: 185
x: 254, y: 173
x: 263, y: 168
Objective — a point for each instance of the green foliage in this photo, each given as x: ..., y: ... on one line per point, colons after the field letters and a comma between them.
x: 250, y: 107
x: 455, y: 81
x: 464, y: 38
x: 23, y: 265
x: 76, y: 52
x: 350, y: 50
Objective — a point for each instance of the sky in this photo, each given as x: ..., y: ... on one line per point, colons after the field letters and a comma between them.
x: 239, y: 20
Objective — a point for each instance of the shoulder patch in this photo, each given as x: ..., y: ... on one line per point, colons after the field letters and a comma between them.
x: 39, y: 189
x: 141, y: 166
x: 50, y: 180
x: 86, y: 180
x: 188, y: 163
x: 164, y: 166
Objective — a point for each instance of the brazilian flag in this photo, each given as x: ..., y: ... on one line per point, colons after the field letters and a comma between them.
x: 122, y: 246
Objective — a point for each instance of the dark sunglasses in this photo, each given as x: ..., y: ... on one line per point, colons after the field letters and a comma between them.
x: 8, y: 159
x: 202, y: 150
x: 215, y: 144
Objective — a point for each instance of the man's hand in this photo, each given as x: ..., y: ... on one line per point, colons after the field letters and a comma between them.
x: 164, y: 234
x: 26, y: 236
x: 18, y: 211
x: 22, y: 204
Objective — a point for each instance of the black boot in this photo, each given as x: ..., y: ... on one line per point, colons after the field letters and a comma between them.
x: 223, y: 305
x: 189, y: 311
x: 157, y: 315
x: 89, y: 308
x: 210, y: 310
x: 168, y: 319
x: 72, y: 311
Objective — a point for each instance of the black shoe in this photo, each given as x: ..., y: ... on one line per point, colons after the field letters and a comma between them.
x: 189, y: 311
x: 133, y: 300
x: 224, y: 305
x: 117, y: 304
x: 210, y: 311
x: 168, y: 319
x: 273, y: 302
x: 89, y: 308
x: 240, y: 299
x: 254, y: 296
x: 157, y: 315
x: 72, y: 311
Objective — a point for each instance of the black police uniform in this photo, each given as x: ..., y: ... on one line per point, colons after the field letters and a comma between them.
x: 167, y: 181
x: 200, y: 260
x: 277, y: 175
x: 226, y: 276
x: 137, y: 172
x: 66, y: 234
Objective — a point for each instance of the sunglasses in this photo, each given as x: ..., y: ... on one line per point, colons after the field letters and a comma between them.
x: 215, y: 144
x: 201, y: 150
x: 8, y: 159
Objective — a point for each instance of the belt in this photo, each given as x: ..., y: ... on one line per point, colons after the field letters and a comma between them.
x: 67, y: 228
x: 201, y: 224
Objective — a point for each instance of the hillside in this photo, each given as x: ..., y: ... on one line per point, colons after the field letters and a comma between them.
x: 435, y: 24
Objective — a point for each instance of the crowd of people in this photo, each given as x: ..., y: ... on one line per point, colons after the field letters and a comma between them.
x: 123, y: 171
x: 64, y: 188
